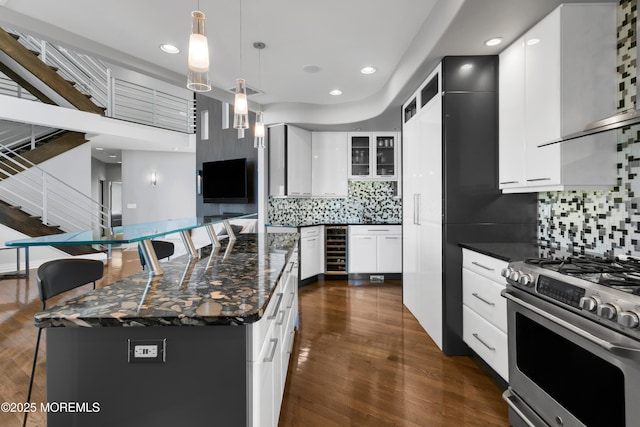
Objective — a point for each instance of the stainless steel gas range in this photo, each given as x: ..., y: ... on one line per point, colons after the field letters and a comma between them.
x: 574, y: 342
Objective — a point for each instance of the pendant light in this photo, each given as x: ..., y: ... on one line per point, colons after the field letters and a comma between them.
x: 258, y: 132
x: 198, y: 58
x: 240, y: 105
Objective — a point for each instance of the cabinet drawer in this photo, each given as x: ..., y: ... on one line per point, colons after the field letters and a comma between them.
x: 309, y: 232
x: 484, y: 265
x: 486, y: 340
x: 483, y: 296
x: 375, y: 230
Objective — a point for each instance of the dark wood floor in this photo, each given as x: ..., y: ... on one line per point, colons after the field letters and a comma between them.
x: 360, y: 359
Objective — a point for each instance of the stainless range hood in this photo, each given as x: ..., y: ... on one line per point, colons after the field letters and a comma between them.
x: 617, y: 121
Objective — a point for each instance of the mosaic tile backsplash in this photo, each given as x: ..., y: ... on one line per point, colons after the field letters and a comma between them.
x: 367, y: 202
x: 595, y: 221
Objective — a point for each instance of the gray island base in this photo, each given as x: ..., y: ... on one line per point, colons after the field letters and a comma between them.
x: 205, y: 344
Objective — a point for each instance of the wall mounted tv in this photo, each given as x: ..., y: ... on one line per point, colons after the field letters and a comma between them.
x: 225, y: 181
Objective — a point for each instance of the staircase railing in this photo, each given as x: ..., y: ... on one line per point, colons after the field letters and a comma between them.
x: 40, y: 194
x: 20, y: 136
x: 122, y: 99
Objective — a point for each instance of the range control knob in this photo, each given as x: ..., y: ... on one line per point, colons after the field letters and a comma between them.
x: 515, y: 275
x: 506, y: 272
x: 628, y: 319
x: 607, y: 311
x: 588, y: 303
x: 526, y: 280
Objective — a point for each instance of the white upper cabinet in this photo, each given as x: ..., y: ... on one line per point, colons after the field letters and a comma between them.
x: 298, y: 161
x: 556, y: 79
x: 329, y: 164
x: 373, y: 155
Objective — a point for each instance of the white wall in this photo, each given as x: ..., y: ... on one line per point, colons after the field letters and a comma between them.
x: 174, y: 196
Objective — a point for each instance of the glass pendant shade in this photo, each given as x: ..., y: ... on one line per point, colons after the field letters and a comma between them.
x: 240, y: 107
x: 258, y: 133
x: 198, y: 59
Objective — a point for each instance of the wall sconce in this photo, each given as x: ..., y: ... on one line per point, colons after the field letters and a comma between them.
x: 199, y: 181
x: 154, y: 179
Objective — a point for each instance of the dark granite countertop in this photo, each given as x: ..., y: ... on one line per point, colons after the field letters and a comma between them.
x: 508, y: 251
x: 313, y: 224
x: 230, y: 285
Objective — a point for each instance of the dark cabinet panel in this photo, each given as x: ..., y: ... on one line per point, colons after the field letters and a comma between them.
x: 470, y: 74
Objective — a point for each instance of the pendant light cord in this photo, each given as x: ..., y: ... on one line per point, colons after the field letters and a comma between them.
x: 240, y: 38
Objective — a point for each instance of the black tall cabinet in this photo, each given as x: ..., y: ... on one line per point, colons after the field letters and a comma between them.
x: 450, y: 129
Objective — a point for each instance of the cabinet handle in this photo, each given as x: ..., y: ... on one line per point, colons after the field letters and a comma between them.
x: 311, y: 240
x: 482, y: 266
x: 293, y: 296
x: 282, y: 320
x: 416, y: 209
x: 290, y: 267
x: 483, y: 343
x: 509, y: 182
x: 391, y: 237
x: 275, y: 311
x: 273, y: 341
x: 539, y: 179
x: 483, y: 300
x: 379, y: 229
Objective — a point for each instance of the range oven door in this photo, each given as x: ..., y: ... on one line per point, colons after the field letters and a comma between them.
x: 567, y: 370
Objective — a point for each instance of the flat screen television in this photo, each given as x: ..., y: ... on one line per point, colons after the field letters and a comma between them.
x: 225, y: 181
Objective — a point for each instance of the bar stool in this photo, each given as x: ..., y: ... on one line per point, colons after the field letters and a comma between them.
x: 163, y: 250
x: 56, y: 277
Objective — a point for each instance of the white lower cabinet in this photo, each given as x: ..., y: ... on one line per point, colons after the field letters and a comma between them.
x: 269, y: 344
x: 484, y: 311
x: 311, y: 251
x: 362, y: 254
x: 375, y: 249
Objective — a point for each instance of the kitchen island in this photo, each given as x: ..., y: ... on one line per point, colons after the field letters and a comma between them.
x: 205, y: 343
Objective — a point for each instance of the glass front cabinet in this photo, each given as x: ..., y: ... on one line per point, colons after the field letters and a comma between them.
x: 373, y: 155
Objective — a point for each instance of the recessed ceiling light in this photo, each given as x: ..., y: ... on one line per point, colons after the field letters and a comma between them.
x: 493, y: 41
x: 119, y: 161
x: 335, y: 92
x: 531, y: 42
x: 113, y: 156
x: 368, y: 70
x: 466, y: 67
x: 99, y: 148
x: 311, y: 69
x: 169, y: 48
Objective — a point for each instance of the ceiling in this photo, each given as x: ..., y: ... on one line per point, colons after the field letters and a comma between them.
x: 403, y: 39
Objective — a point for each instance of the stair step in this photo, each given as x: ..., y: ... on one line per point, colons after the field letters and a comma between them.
x: 35, y: 52
x: 15, y: 36
x: 71, y: 82
x: 15, y: 207
x: 53, y: 68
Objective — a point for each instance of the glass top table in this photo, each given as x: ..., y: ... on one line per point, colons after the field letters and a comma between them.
x: 141, y: 233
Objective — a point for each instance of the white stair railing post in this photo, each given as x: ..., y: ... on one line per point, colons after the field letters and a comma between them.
x: 44, y: 199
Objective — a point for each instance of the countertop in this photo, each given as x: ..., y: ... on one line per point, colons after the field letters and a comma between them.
x: 510, y: 251
x: 229, y: 285
x: 313, y: 224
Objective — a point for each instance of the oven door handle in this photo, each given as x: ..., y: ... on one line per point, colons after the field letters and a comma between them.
x: 628, y: 352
